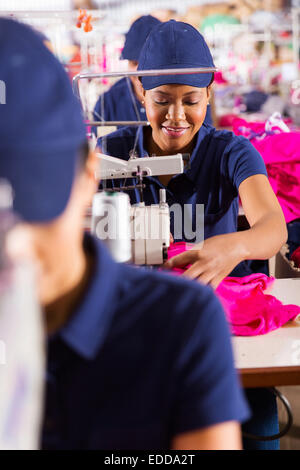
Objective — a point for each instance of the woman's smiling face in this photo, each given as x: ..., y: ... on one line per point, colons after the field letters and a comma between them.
x: 176, y: 113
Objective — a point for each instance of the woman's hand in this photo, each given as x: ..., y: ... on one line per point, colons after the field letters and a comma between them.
x: 216, y: 258
x: 212, y: 260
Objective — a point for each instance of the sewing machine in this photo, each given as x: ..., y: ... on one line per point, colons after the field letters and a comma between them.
x: 137, y: 233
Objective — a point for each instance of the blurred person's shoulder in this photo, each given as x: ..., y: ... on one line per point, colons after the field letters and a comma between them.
x: 152, y: 291
x: 163, y: 294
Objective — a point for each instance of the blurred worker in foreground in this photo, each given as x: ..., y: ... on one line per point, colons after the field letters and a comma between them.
x: 124, y: 101
x: 135, y: 359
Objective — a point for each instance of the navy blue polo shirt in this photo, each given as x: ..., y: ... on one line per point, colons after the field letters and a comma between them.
x: 219, y: 163
x: 146, y: 356
x: 120, y: 104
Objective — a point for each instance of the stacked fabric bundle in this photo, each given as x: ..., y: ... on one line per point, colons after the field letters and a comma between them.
x: 280, y: 152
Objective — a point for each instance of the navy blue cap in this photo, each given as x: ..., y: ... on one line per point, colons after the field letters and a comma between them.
x: 137, y: 35
x: 41, y: 127
x: 173, y: 45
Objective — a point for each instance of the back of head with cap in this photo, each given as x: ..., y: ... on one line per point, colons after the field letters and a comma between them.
x: 41, y: 128
x: 137, y: 35
x: 174, y: 45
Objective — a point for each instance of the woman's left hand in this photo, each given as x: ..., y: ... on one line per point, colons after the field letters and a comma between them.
x: 212, y: 260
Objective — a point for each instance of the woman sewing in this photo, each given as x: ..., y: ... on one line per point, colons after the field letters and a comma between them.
x: 223, y: 169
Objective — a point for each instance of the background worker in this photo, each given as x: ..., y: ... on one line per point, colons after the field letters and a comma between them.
x: 122, y: 102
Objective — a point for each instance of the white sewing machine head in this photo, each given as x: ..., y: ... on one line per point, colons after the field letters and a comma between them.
x: 138, y: 233
x: 113, y: 168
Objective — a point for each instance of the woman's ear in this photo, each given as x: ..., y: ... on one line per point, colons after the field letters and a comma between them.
x: 139, y: 90
x: 143, y: 95
x: 208, y: 91
x: 89, y: 183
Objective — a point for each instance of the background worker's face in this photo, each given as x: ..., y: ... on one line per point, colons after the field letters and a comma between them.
x: 56, y: 246
x: 176, y: 113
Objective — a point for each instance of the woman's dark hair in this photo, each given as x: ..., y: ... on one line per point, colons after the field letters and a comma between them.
x: 212, y: 79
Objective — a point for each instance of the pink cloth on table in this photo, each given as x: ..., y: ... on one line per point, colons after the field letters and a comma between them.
x: 281, y: 154
x: 249, y: 311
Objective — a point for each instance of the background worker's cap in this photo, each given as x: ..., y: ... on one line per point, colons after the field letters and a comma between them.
x: 137, y: 35
x: 174, y: 45
x: 41, y: 129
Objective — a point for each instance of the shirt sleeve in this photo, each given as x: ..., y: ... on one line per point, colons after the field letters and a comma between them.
x: 243, y: 160
x: 209, y: 391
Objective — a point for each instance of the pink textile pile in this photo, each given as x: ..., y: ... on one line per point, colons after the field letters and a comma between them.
x: 248, y: 129
x: 281, y: 154
x: 249, y: 311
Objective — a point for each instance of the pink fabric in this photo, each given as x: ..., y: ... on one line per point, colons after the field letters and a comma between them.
x: 174, y: 250
x: 296, y: 257
x: 247, y: 129
x: 281, y: 154
x: 227, y: 120
x: 219, y: 78
x: 249, y: 311
x: 256, y: 129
